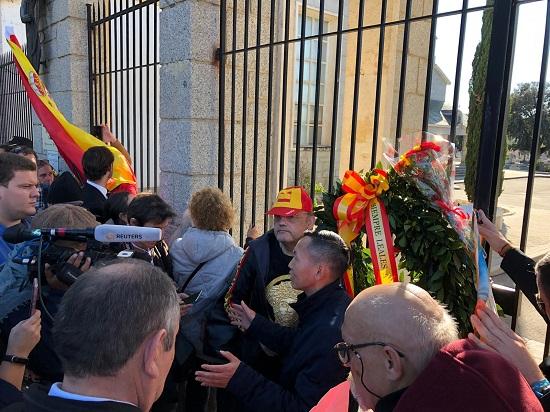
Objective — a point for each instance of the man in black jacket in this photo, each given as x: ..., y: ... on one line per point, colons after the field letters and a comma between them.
x: 115, y: 359
x: 309, y: 365
x: 97, y: 163
x: 262, y: 279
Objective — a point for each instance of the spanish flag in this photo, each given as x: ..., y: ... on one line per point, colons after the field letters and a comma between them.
x: 71, y: 141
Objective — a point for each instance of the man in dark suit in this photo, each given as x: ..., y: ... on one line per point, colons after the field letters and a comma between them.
x: 97, y: 163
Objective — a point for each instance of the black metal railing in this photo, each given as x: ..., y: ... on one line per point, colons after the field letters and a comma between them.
x: 15, y: 107
x: 123, y: 59
x: 262, y: 131
x: 263, y: 69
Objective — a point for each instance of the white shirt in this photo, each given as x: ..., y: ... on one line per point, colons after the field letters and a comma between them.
x: 102, y: 189
x: 56, y: 391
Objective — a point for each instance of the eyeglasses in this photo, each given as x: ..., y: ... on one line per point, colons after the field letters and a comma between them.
x: 343, y: 349
x: 540, y: 303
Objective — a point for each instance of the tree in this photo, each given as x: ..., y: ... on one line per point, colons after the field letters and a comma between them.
x: 521, y: 121
x: 476, y: 104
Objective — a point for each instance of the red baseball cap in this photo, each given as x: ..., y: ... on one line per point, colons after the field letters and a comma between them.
x: 291, y: 201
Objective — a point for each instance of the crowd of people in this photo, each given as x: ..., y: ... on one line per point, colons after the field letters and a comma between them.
x: 196, y: 323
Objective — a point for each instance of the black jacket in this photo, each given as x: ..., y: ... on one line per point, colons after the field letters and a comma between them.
x: 36, y: 399
x: 521, y: 269
x: 310, y: 365
x: 9, y: 394
x: 94, y: 201
x: 250, y: 280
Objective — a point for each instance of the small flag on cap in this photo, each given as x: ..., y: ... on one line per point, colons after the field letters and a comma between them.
x: 290, y: 201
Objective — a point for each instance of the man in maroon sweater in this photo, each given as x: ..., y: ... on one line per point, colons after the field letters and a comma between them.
x: 404, y: 355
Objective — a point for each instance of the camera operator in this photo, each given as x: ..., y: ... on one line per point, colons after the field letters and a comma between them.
x: 16, y: 300
x: 23, y: 338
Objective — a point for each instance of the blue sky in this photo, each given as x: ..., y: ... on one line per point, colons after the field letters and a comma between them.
x: 529, y: 43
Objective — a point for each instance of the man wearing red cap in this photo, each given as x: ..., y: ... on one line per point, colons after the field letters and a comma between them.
x: 262, y: 279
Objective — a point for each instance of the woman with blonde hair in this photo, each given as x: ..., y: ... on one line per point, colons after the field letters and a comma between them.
x: 204, y: 260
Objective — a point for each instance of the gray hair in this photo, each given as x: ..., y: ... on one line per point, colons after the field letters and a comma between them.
x: 109, y: 312
x: 328, y: 247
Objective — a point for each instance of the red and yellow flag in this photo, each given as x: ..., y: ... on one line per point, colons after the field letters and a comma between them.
x: 71, y: 141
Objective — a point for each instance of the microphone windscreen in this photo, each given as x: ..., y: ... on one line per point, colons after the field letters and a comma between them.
x: 120, y: 233
x: 19, y: 233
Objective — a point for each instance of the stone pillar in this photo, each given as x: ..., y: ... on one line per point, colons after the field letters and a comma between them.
x: 189, y: 37
x: 65, y: 63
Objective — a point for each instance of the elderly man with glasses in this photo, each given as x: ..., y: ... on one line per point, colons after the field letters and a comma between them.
x: 309, y: 365
x: 404, y: 354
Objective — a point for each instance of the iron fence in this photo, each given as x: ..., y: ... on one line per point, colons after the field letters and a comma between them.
x: 15, y: 108
x: 310, y: 88
x: 123, y: 59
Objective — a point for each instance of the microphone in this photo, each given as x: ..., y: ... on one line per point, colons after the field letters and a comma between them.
x: 101, y: 233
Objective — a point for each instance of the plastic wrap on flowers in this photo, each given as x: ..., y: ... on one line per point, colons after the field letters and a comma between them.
x: 428, y: 168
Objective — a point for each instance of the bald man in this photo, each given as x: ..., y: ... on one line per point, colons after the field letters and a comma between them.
x: 403, y: 350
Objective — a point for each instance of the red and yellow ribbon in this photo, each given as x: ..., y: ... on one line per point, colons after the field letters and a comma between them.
x: 360, y: 207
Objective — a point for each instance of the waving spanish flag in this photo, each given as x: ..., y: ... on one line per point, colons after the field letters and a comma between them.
x: 71, y: 141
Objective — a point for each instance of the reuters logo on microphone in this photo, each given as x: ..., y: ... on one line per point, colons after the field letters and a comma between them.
x: 110, y: 236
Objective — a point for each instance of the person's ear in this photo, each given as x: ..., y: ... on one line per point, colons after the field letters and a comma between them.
x: 152, y: 353
x: 133, y: 222
x: 311, y: 221
x: 393, y: 364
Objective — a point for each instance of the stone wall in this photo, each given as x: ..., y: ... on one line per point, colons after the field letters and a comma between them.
x: 65, y: 63
x: 188, y: 98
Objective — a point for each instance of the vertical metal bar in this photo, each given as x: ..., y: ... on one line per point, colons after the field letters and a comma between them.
x: 233, y: 98
x: 269, y: 112
x: 535, y: 142
x: 244, y: 120
x: 129, y: 130
x: 221, y: 97
x: 90, y: 68
x: 403, y: 76
x: 139, y: 165
x: 317, y: 98
x: 121, y: 112
x: 108, y: 76
x: 502, y: 35
x: 256, y: 109
x: 336, y: 94
x: 104, y: 46
x: 357, y: 83
x: 114, y: 74
x: 97, y: 65
x: 379, y: 74
x: 150, y: 183
x: 429, y: 69
x: 458, y: 75
x: 156, y: 94
x: 284, y: 96
x: 300, y: 94
x: 142, y: 145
